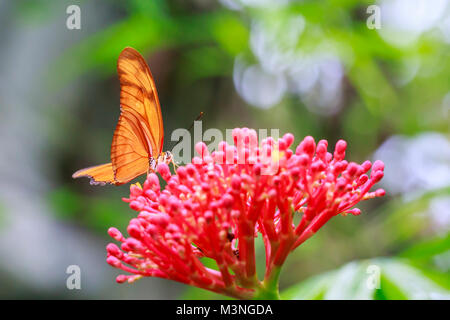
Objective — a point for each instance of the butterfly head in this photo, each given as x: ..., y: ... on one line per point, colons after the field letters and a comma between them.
x: 165, y: 157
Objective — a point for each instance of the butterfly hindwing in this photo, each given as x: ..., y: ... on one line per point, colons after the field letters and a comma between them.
x: 129, y: 154
x: 101, y: 174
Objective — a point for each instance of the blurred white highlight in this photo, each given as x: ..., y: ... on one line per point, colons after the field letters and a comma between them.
x: 415, y: 165
x: 404, y: 21
x: 282, y: 67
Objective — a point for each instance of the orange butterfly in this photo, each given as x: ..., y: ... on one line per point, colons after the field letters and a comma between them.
x: 138, y: 139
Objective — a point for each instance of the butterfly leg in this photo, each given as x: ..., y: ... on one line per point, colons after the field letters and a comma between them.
x: 151, y: 166
x: 168, y: 158
x: 175, y: 165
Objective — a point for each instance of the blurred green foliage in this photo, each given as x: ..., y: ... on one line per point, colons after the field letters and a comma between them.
x: 94, y: 213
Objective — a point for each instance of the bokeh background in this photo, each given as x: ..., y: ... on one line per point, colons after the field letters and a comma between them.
x: 306, y: 67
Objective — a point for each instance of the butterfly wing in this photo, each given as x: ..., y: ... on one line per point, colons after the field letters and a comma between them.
x: 99, y: 175
x: 129, y: 149
x: 139, y: 133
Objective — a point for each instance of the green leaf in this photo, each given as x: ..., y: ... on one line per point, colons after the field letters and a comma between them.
x: 310, y: 289
x: 389, y: 291
x: 412, y: 282
x: 349, y: 283
x: 398, y: 280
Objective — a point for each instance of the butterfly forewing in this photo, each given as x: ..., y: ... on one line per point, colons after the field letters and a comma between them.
x: 139, y: 133
x: 138, y: 94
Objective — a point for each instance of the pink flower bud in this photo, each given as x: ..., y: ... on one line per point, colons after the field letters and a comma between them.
x: 113, y: 261
x: 378, y: 166
x: 121, y: 278
x: 309, y: 146
x: 201, y: 149
x: 339, y: 151
x: 134, y: 231
x: 288, y: 139
x: 114, y: 250
x: 136, y: 205
x: 115, y: 234
x: 164, y: 171
x: 236, y: 182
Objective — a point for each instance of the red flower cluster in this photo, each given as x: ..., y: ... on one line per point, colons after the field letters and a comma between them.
x: 216, y: 206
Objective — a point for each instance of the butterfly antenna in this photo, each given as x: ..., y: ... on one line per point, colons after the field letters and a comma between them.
x: 200, y: 115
